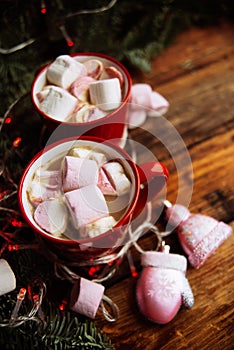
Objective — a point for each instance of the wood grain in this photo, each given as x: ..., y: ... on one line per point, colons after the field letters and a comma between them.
x: 196, y: 75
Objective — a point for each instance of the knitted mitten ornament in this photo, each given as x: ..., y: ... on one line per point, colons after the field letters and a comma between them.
x: 163, y: 287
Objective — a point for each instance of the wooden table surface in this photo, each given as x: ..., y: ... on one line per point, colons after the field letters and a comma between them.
x: 196, y: 75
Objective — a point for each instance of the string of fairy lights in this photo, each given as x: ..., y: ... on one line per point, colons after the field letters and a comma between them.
x: 62, y: 28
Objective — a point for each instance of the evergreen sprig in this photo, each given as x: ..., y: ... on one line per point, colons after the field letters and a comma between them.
x: 59, y: 330
x: 134, y: 33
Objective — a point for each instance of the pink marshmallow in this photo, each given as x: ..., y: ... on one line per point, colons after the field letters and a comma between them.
x: 87, y: 205
x: 159, y: 105
x: 45, y: 185
x: 86, y: 297
x: 141, y: 96
x: 145, y: 102
x: 78, y: 172
x: 52, y: 216
x: 105, y: 185
x: 136, y: 117
x: 79, y: 87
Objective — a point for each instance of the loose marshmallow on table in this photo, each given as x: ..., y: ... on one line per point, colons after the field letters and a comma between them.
x: 64, y: 71
x: 106, y: 93
x: 52, y: 216
x: 117, y: 177
x: 98, y: 227
x: 58, y: 103
x: 86, y: 297
x: 78, y: 172
x: 145, y: 102
x: 86, y: 205
x: 83, y: 152
x: 7, y: 278
x: 141, y: 96
x: 159, y: 105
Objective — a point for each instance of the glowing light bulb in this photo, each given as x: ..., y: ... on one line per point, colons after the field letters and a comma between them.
x: 17, y: 141
x: 43, y: 7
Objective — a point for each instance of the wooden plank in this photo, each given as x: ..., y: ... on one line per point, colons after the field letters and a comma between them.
x: 192, y: 50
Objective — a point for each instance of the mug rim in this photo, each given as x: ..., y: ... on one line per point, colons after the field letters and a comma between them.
x: 92, y: 122
x: 125, y: 219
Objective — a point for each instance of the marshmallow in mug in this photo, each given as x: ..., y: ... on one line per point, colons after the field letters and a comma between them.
x: 79, y: 207
x: 58, y: 103
x: 79, y: 172
x: 64, y: 70
x: 46, y: 184
x: 106, y: 93
x: 80, y: 92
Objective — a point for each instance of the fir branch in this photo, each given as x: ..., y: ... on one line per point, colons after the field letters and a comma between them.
x: 60, y: 330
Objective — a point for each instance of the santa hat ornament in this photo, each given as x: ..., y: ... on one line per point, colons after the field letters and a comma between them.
x: 199, y: 235
x: 163, y: 287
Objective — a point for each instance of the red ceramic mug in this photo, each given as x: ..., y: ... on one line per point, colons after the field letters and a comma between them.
x: 111, y: 126
x: 146, y: 181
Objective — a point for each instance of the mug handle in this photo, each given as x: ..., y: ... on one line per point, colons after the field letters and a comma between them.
x: 153, y: 178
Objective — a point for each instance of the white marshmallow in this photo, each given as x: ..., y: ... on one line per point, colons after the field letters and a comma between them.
x: 78, y: 172
x: 106, y: 94
x: 38, y: 192
x: 95, y: 113
x: 83, y: 152
x: 45, y: 185
x: 58, y: 103
x: 87, y: 113
x: 87, y: 205
x: 64, y: 70
x: 81, y: 115
x: 52, y: 216
x: 98, y: 227
x: 7, y: 278
x: 41, y: 95
x: 117, y: 177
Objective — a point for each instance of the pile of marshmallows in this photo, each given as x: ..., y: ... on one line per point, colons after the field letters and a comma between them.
x: 75, y: 194
x: 80, y: 92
